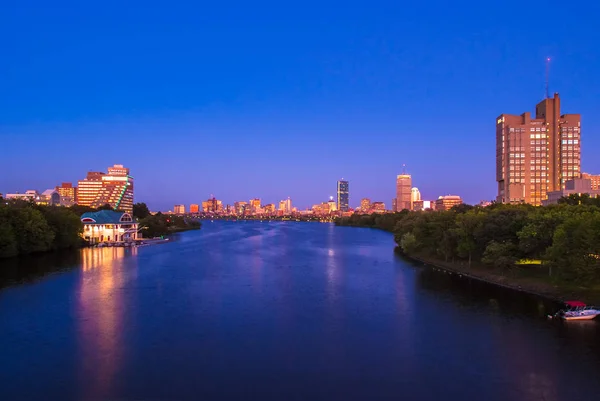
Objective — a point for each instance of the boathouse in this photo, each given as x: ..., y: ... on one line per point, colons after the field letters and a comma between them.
x: 109, y: 226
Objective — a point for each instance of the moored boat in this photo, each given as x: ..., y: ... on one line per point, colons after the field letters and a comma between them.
x: 577, y: 310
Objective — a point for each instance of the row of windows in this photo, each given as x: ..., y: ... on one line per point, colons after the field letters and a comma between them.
x: 574, y: 129
x: 570, y: 141
x: 537, y: 136
x: 517, y: 148
x: 538, y: 142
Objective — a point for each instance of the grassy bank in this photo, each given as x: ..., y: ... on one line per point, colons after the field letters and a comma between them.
x: 533, y: 281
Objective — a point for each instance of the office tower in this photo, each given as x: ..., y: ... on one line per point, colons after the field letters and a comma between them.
x: 89, y: 188
x: 116, y: 189
x: 194, y: 208
x: 394, y: 205
x: 179, y: 209
x: 343, y: 196
x: 288, y: 205
x: 68, y: 194
x: 415, y: 196
x: 447, y: 202
x: 269, y: 208
x: 538, y: 155
x: 403, y: 192
x: 365, y: 204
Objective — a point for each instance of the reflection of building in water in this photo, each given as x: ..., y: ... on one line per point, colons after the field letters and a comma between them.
x: 100, y: 313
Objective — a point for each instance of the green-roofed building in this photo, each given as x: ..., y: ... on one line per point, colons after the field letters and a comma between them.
x: 109, y: 226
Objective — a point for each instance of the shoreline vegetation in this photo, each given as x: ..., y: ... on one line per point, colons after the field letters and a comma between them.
x: 550, y: 251
x: 27, y: 228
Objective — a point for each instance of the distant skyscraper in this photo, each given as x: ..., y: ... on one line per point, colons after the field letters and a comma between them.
x: 194, y: 208
x: 240, y: 207
x: 403, y: 192
x: 255, y: 204
x: 535, y: 156
x: 179, y: 209
x: 343, y: 195
x: 378, y: 207
x: 415, y: 196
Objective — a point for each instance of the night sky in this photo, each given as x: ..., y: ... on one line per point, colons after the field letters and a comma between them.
x: 269, y: 99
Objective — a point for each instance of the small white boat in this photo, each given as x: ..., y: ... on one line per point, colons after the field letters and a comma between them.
x: 577, y: 310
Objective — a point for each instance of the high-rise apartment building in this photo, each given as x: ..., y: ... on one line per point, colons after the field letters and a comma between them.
x: 403, y: 192
x: 89, y: 188
x: 343, y: 195
x: 240, y: 207
x: 538, y: 155
x: 68, y: 194
x: 179, y: 209
x: 116, y: 190
x: 415, y: 196
x: 194, y: 208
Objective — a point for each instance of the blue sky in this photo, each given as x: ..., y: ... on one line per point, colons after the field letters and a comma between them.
x: 270, y: 99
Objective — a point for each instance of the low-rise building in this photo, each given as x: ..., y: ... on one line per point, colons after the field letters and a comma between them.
x: 447, y: 202
x: 49, y: 197
x: 109, y: 226
x: 578, y: 186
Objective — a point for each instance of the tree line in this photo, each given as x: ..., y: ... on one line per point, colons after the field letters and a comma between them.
x: 29, y: 228
x: 564, y: 238
x: 159, y: 224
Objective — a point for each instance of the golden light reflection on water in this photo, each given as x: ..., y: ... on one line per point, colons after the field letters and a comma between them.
x: 100, y: 312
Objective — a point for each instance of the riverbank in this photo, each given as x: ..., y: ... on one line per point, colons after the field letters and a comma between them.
x: 517, y: 280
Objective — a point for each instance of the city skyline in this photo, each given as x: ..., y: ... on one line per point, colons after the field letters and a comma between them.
x: 300, y: 102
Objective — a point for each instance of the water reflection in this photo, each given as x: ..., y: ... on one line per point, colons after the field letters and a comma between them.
x: 101, y: 316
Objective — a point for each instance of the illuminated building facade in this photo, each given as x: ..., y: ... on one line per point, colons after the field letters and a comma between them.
x: 116, y: 190
x: 194, y: 208
x: 415, y: 196
x: 343, y: 195
x: 269, y: 208
x: 594, y: 180
x: 240, y: 207
x: 109, y: 226
x: 89, y: 188
x: 365, y: 205
x: 538, y: 155
x: 68, y: 194
x: 403, y: 192
x: 378, y: 207
x: 255, y: 205
x: 179, y: 209
x: 447, y: 202
x: 212, y: 205
x: 579, y: 186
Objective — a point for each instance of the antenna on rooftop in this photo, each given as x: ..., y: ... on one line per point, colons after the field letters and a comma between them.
x: 547, y: 77
x: 404, y: 169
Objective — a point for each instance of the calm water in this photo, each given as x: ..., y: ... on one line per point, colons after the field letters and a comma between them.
x: 278, y: 311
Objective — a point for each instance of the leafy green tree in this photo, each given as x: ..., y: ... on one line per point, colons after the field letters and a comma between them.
x: 500, y: 254
x: 140, y: 211
x: 8, y: 243
x: 409, y: 243
x: 32, y: 232
x: 65, y: 225
x: 467, y: 226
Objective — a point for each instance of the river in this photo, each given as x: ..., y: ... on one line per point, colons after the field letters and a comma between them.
x: 278, y: 311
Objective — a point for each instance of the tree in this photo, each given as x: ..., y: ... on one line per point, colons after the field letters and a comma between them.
x: 32, y: 232
x: 409, y: 243
x: 467, y: 225
x: 65, y: 225
x: 8, y: 243
x: 500, y: 254
x: 140, y: 211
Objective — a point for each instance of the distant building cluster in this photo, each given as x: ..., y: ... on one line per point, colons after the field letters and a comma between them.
x: 114, y: 188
